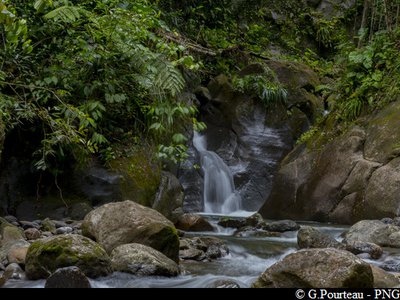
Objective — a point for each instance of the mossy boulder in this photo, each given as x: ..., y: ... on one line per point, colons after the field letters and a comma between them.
x: 120, y: 223
x: 140, y: 177
x: 142, y: 260
x: 47, y: 255
x: 318, y: 268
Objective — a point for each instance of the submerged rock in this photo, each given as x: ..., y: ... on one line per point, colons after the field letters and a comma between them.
x: 282, y: 226
x: 121, y: 223
x: 202, y: 248
x: 67, y: 278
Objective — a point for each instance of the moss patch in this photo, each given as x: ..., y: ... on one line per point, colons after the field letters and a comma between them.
x: 141, y: 176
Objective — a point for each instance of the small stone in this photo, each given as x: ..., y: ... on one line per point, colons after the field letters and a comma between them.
x: 11, y: 219
x: 59, y: 224
x: 14, y: 271
x: 224, y: 284
x: 32, y: 234
x: 26, y: 225
x: 69, y: 277
x: 282, y: 226
x: 64, y: 230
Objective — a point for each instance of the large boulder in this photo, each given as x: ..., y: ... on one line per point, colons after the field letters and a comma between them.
x: 318, y: 268
x: 351, y: 177
x: 67, y: 278
x: 121, y: 223
x: 374, y: 231
x: 13, y: 245
x: 142, y: 260
x: 47, y: 255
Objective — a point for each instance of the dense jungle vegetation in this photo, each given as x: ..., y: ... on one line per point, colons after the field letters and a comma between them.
x: 84, y: 78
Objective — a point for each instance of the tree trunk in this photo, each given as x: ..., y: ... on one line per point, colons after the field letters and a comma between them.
x: 363, y: 21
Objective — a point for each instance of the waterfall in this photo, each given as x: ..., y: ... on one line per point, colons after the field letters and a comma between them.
x: 219, y: 189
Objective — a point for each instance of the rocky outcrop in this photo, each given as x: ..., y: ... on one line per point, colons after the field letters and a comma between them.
x: 142, y: 260
x: 353, y: 177
x: 318, y: 268
x: 67, y: 278
x: 250, y: 139
x: 121, y: 223
x: 47, y: 255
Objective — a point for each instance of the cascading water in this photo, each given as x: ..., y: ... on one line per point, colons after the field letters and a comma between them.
x: 219, y: 188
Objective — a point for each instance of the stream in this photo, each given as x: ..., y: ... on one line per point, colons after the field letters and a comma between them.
x: 248, y: 258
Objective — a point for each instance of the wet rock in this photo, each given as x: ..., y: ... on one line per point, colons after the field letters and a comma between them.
x: 121, y: 223
x: 201, y: 248
x: 358, y: 247
x: 318, y: 268
x: 309, y: 237
x: 59, y: 224
x: 14, y: 271
x: 142, y: 260
x: 255, y: 220
x: 254, y: 232
x: 281, y: 226
x: 391, y: 266
x: 224, y: 284
x: 227, y: 222
x: 32, y: 234
x: 64, y: 230
x: 192, y: 222
x: 47, y: 255
x: 69, y: 277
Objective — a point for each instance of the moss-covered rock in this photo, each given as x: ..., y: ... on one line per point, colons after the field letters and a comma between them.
x: 318, y: 268
x: 142, y: 260
x: 140, y: 177
x: 47, y: 255
x: 120, y: 223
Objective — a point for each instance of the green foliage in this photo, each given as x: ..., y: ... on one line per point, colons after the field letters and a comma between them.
x: 370, y: 77
x: 81, y: 75
x: 259, y: 85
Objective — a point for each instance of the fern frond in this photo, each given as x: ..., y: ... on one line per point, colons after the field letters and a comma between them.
x: 40, y: 5
x: 168, y: 78
x: 66, y: 14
